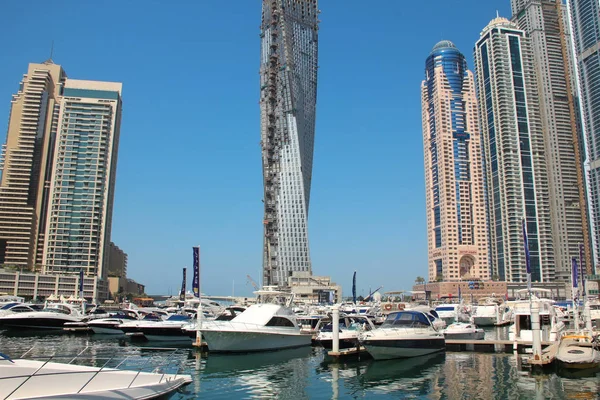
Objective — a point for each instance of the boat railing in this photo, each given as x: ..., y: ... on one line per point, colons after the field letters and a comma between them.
x: 169, y: 362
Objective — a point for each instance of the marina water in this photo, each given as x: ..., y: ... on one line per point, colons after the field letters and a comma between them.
x: 306, y: 373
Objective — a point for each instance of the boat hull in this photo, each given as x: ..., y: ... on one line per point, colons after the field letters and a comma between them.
x: 465, y: 335
x: 106, y: 330
x: 36, y: 323
x: 484, y: 321
x: 385, y: 349
x: 247, y: 341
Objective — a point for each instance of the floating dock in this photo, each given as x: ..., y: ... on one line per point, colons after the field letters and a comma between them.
x: 480, y: 346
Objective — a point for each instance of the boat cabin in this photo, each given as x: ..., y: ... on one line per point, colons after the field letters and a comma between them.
x: 408, y: 319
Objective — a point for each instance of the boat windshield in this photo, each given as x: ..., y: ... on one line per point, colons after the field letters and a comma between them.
x: 445, y: 308
x: 9, y: 305
x: 407, y: 318
x: 57, y: 310
x: 177, y: 317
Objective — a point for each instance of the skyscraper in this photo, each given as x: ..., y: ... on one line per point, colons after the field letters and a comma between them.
x: 288, y: 95
x: 515, y: 166
x: 26, y: 163
x: 82, y: 187
x: 456, y: 224
x: 585, y: 23
x: 546, y: 24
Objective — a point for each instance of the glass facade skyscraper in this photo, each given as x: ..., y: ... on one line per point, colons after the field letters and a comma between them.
x: 546, y: 24
x: 585, y: 23
x: 456, y: 225
x: 82, y: 188
x: 288, y: 95
x: 514, y: 161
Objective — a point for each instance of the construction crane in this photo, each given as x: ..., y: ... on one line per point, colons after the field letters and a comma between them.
x: 250, y: 280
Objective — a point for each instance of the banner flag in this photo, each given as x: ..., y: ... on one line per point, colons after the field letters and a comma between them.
x: 196, y: 283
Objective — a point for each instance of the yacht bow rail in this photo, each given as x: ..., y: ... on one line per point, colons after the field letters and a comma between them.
x: 133, y: 364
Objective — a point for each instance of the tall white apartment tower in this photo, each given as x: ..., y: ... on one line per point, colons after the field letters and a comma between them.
x: 80, y: 206
x: 288, y: 95
x: 585, y: 23
x: 546, y: 24
x: 514, y: 161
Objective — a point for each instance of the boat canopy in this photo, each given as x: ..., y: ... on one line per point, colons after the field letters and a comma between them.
x: 407, y: 318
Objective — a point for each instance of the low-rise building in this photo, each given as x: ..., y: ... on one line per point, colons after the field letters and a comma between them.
x: 38, y: 286
x: 123, y: 285
x: 314, y: 289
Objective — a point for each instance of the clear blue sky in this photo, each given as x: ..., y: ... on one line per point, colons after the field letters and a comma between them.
x: 189, y: 170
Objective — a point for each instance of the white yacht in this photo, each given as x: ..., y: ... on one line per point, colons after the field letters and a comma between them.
x: 451, y: 313
x: 31, y: 379
x: 492, y: 312
x: 403, y: 334
x: 112, y: 324
x: 579, y: 350
x: 11, y: 308
x: 168, y: 330
x: 550, y: 320
x: 350, y: 327
x: 263, y: 326
x: 463, y: 331
x: 54, y: 316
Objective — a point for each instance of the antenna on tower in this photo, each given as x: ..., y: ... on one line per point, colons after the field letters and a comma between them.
x: 497, y: 14
x: 49, y: 60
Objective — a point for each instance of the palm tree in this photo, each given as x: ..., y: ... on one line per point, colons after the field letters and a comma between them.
x: 439, y: 278
x: 420, y: 279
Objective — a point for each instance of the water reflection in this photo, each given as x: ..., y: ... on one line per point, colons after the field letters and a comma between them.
x: 279, y: 374
x: 305, y: 373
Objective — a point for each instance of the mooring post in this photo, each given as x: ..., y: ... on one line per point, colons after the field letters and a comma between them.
x: 335, y: 316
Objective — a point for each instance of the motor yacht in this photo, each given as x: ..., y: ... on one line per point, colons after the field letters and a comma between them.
x: 463, y: 331
x: 350, y: 327
x: 11, y: 308
x: 491, y: 312
x: 403, y: 334
x: 168, y: 330
x: 53, y: 316
x: 551, y: 323
x: 112, y: 324
x: 268, y: 325
x: 33, y: 379
x: 579, y: 349
x: 451, y: 313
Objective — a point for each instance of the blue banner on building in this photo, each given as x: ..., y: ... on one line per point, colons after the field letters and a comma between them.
x: 196, y: 283
x: 81, y: 282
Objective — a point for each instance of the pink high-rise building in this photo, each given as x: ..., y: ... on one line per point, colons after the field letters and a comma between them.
x: 456, y: 221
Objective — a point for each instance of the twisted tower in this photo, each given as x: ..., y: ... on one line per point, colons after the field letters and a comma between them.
x: 288, y: 95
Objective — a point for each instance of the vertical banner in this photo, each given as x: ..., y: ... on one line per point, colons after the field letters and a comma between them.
x: 81, y: 283
x: 182, y: 291
x: 196, y: 282
x: 527, y: 259
x: 354, y: 288
x: 583, y: 269
x: 574, y: 274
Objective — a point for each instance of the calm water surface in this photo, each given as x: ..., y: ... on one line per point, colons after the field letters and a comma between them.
x: 307, y: 374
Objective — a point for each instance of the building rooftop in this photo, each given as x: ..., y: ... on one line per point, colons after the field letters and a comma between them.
x: 444, y: 44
